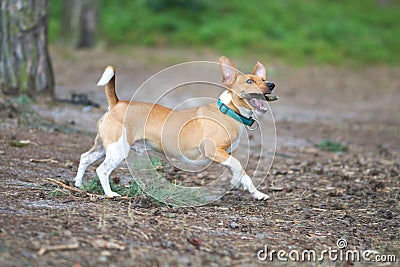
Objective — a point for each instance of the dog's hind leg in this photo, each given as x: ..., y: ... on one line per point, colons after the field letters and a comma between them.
x: 115, y: 154
x: 87, y: 158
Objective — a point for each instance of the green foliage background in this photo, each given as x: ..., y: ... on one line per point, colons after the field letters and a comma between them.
x: 316, y: 31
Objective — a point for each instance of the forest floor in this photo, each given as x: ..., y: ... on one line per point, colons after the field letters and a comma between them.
x: 319, y: 199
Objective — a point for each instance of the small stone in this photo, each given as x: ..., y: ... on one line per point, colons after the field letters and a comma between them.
x: 102, y: 259
x: 349, y: 174
x: 168, y: 244
x: 282, y: 172
x: 234, y: 225
x: 153, y: 221
x: 388, y: 215
x: 318, y: 170
x: 196, y: 242
x: 67, y: 233
x: 116, y: 179
x: 105, y: 253
x: 295, y: 169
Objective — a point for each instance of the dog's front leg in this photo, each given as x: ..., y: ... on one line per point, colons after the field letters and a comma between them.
x: 238, y: 173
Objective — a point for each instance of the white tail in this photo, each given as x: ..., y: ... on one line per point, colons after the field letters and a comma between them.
x: 106, y: 77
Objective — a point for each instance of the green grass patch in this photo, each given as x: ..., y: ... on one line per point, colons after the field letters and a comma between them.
x: 54, y: 233
x: 314, y: 31
x: 160, y: 190
x: 172, y: 194
x: 19, y: 143
x: 58, y: 193
x: 94, y: 186
x: 23, y: 99
x: 165, y: 192
x: 153, y: 182
x: 329, y: 145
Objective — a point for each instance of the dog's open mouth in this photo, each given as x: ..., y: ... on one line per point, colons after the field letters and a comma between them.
x: 259, y: 101
x: 259, y: 104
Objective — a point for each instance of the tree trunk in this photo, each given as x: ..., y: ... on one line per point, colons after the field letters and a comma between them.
x: 25, y: 66
x: 79, y: 22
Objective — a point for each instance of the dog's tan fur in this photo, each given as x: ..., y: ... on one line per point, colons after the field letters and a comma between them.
x: 195, y: 134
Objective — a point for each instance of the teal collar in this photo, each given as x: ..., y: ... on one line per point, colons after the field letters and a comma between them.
x: 233, y: 114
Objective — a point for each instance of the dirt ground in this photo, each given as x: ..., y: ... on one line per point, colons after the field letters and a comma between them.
x: 317, y: 197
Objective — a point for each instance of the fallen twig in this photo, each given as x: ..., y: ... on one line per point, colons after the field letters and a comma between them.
x: 59, y: 183
x: 101, y: 243
x: 91, y: 195
x: 53, y: 181
x: 266, y: 97
x: 45, y: 249
x: 51, y: 160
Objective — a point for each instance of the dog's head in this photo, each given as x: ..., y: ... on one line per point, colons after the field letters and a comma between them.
x: 247, y: 90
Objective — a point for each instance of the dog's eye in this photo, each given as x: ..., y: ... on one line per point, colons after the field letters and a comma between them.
x: 250, y: 81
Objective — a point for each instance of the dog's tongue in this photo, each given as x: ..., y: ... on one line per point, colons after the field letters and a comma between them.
x: 258, y: 104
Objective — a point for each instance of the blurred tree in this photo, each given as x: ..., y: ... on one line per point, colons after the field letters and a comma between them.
x: 79, y: 22
x: 25, y: 66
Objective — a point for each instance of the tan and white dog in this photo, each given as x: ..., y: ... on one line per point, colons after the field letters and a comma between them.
x: 208, y: 132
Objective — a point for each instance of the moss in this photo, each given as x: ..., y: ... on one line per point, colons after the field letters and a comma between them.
x: 332, y: 146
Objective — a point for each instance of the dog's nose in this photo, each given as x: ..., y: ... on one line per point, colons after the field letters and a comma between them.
x: 270, y: 86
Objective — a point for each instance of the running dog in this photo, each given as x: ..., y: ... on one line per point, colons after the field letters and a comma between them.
x: 208, y: 132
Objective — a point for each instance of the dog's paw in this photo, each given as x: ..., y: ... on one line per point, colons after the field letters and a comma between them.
x: 260, y: 196
x: 112, y: 194
x: 78, y: 183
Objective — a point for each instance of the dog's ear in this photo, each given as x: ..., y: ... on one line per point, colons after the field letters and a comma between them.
x: 260, y: 71
x: 229, y: 71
